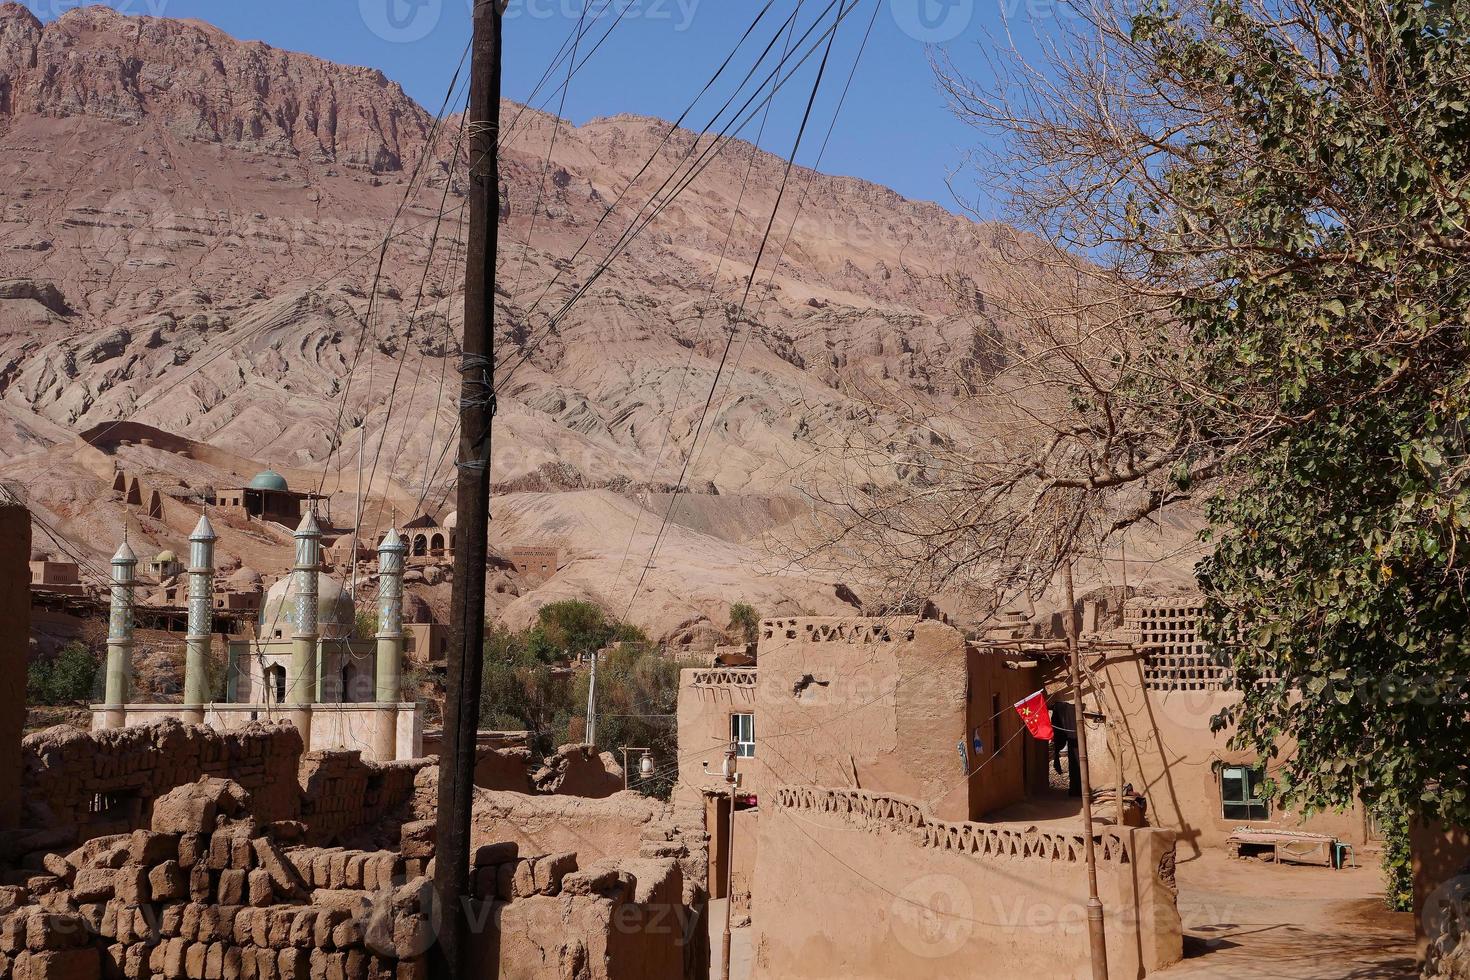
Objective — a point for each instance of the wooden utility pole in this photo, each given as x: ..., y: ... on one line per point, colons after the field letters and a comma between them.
x: 450, y: 956
x: 1095, y: 931
x: 732, y: 776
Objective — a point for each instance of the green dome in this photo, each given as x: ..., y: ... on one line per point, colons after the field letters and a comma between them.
x: 268, y: 480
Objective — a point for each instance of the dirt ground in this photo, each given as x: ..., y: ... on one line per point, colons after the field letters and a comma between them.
x: 1249, y: 919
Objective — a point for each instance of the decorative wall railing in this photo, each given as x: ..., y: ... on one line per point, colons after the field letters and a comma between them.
x: 876, y: 812
x: 897, y: 628
x: 725, y: 677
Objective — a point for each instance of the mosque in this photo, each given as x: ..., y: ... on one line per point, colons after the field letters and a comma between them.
x: 314, y: 661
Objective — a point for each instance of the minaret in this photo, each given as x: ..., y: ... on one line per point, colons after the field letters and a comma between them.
x: 302, y: 692
x: 120, y: 636
x: 201, y: 615
x: 390, y: 644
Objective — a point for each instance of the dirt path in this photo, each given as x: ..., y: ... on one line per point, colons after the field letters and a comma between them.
x: 1245, y: 920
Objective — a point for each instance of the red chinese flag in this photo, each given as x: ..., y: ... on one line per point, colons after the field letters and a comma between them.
x: 1037, y: 718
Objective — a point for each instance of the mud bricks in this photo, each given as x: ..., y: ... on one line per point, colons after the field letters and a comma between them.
x: 207, y: 894
x: 103, y: 782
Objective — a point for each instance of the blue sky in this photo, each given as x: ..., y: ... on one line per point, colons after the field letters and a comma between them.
x: 894, y: 128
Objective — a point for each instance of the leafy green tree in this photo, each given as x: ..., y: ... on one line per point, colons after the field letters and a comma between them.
x: 745, y: 622
x: 1275, y: 197
x: 569, y: 628
x: 68, y: 677
x: 1332, y: 355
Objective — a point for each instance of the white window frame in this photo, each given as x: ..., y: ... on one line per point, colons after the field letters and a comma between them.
x: 742, y: 733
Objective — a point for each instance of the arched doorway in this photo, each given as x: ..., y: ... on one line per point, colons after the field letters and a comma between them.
x: 420, y: 546
x: 436, y: 544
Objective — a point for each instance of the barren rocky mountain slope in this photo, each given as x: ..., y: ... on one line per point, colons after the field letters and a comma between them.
x: 190, y: 228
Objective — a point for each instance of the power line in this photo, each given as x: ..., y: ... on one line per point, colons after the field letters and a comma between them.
x: 749, y: 284
x: 712, y: 150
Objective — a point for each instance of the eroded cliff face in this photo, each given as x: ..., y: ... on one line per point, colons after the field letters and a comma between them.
x: 190, y: 231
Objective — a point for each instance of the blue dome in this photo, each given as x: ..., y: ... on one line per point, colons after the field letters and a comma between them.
x: 268, y: 480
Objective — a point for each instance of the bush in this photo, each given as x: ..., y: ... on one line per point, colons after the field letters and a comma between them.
x: 745, y: 622
x: 66, y: 678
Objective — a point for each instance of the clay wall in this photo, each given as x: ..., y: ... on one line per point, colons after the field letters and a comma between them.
x: 15, y: 614
x: 107, y: 782
x: 341, y: 795
x: 877, y: 704
x: 1172, y: 757
x: 856, y: 884
x: 624, y: 919
x: 335, y: 726
x: 707, y: 699
x: 594, y: 828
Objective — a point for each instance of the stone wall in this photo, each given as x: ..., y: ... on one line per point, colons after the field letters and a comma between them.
x: 106, y: 782
x: 15, y: 614
x: 859, y: 884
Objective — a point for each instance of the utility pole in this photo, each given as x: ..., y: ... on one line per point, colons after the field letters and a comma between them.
x: 449, y: 959
x: 732, y: 776
x: 589, y: 733
x: 1095, y: 931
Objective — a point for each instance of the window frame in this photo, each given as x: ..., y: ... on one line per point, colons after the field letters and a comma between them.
x: 1254, y: 806
x: 744, y: 749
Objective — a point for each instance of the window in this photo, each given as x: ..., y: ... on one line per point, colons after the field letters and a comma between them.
x: 742, y: 733
x: 275, y: 677
x: 1241, y: 793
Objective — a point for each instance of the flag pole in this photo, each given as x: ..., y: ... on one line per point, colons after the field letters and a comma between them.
x: 1095, y: 931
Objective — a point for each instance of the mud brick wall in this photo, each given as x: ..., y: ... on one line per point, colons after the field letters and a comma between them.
x: 342, y: 794
x: 106, y: 782
x: 206, y: 894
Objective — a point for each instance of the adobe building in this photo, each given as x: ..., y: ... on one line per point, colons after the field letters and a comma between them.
x: 306, y: 664
x: 427, y: 537
x: 901, y: 705
x: 535, y: 561
x: 61, y: 577
x: 874, y: 755
x: 1152, y: 704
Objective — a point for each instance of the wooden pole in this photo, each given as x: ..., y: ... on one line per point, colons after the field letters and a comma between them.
x: 450, y: 956
x: 1095, y: 931
x: 733, y: 754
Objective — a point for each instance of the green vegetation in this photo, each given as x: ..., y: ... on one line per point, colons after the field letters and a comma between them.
x: 745, y: 622
x: 1398, y: 861
x: 66, y: 678
x: 1330, y: 355
x: 525, y: 687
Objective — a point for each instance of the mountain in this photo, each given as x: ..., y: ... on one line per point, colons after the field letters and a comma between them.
x: 192, y: 238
